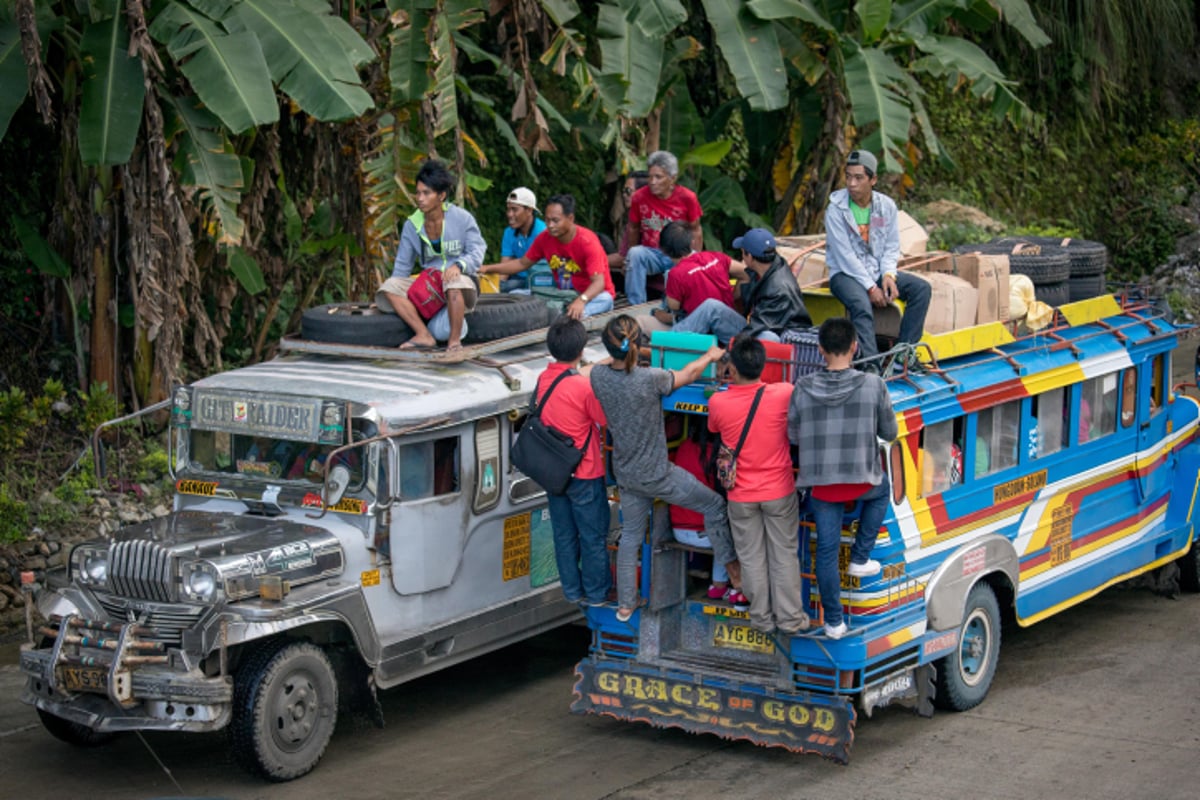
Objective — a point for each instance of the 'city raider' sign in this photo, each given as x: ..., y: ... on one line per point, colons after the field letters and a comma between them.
x: 280, y: 416
x: 801, y: 723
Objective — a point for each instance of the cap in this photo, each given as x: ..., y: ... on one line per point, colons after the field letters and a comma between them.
x: 523, y: 197
x: 865, y: 159
x: 758, y: 242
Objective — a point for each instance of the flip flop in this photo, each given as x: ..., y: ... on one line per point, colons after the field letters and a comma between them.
x: 454, y: 348
x: 418, y: 347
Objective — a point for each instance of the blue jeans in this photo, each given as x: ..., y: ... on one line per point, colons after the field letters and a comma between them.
x: 914, y: 291
x: 580, y: 519
x: 598, y: 305
x: 640, y: 262
x: 828, y: 519
x: 712, y: 316
x: 439, y: 324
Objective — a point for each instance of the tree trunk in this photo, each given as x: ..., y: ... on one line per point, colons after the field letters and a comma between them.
x: 103, y: 339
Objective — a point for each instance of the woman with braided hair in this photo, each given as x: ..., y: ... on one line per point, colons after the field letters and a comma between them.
x: 631, y: 396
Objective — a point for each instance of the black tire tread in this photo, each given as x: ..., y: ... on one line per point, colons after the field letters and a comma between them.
x: 1053, y: 294
x: 498, y: 316
x: 353, y: 323
x: 73, y: 733
x: 243, y: 728
x: 1086, y: 286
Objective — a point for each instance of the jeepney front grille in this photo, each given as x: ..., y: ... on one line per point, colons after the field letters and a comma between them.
x: 166, y: 623
x: 141, y: 569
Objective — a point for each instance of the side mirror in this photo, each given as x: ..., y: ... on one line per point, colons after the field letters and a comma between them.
x: 339, y: 479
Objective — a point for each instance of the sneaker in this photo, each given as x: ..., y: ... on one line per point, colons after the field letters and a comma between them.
x: 835, y: 631
x: 717, y: 592
x: 864, y: 570
x: 738, y: 600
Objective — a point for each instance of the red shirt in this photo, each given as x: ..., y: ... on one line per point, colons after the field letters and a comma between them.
x: 687, y: 456
x: 840, y: 492
x: 699, y: 277
x: 574, y: 410
x: 580, y: 259
x: 653, y: 213
x: 764, y: 465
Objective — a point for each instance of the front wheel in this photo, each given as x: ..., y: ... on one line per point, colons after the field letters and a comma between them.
x: 72, y: 732
x: 285, y: 710
x: 965, y: 675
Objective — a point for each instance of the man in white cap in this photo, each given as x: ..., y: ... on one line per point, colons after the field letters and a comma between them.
x: 524, y: 225
x: 862, y: 249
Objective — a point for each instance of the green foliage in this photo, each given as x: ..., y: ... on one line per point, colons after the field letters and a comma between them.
x: 99, y: 405
x: 153, y: 466
x: 14, y: 517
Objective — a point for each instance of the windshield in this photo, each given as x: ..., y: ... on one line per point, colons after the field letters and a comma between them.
x: 267, y: 458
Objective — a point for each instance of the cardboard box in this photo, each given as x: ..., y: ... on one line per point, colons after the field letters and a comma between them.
x: 913, y: 238
x: 808, y: 264
x: 993, y: 272
x: 988, y: 274
x: 953, y: 304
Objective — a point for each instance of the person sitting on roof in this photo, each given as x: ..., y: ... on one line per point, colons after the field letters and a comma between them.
x: 524, y: 225
x: 650, y: 209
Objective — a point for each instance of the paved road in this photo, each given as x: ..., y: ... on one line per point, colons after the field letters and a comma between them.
x: 1098, y: 702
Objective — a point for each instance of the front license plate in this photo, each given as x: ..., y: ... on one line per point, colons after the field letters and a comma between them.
x: 741, y: 637
x: 84, y: 679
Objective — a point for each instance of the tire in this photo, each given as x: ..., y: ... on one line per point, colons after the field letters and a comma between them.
x: 73, y: 733
x: 964, y: 676
x: 1053, y: 294
x: 1085, y: 287
x: 498, y: 316
x: 1049, y: 265
x: 285, y: 702
x: 353, y: 323
x: 1189, y: 568
x: 1087, y: 257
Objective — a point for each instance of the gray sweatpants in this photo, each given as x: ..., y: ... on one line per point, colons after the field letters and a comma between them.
x: 679, y: 487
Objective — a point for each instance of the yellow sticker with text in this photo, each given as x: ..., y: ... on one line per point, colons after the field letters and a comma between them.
x: 370, y: 577
x: 517, y: 546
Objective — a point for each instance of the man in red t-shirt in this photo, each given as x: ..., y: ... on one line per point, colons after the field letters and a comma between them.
x: 576, y: 256
x: 699, y: 295
x: 763, y: 508
x: 580, y: 516
x: 650, y: 209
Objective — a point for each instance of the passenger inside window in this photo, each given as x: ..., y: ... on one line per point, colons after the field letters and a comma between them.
x: 1098, y: 407
x: 941, y: 456
x: 1157, y: 387
x: 1128, y: 397
x: 998, y: 427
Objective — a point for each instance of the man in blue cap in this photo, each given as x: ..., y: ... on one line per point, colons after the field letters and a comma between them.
x: 862, y: 244
x: 773, y: 296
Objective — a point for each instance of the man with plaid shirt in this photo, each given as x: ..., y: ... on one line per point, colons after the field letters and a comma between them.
x: 835, y: 419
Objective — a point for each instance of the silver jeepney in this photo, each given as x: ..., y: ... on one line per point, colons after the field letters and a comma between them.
x: 398, y: 541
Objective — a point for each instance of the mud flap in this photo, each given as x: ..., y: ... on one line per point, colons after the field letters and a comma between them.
x: 800, y: 722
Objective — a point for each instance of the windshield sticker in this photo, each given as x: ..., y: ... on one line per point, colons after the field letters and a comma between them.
x: 251, y: 467
x: 263, y: 415
x: 202, y: 488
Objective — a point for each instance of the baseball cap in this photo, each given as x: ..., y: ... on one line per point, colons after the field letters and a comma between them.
x: 863, y: 158
x: 758, y: 242
x: 523, y: 197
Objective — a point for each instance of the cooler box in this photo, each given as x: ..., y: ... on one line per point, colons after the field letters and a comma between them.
x: 681, y: 350
x: 779, y: 363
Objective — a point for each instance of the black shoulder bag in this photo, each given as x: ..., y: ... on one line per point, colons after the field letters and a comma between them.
x: 548, y: 456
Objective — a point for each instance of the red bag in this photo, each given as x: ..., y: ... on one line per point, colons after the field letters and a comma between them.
x: 427, y: 294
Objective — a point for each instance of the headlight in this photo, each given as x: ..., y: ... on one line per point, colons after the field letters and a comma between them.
x: 89, y: 565
x: 200, y: 581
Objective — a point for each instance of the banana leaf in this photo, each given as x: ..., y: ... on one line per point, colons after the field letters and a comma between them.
x: 625, y: 50
x: 206, y: 161
x: 14, y: 82
x: 873, y: 82
x: 751, y: 50
x: 113, y: 91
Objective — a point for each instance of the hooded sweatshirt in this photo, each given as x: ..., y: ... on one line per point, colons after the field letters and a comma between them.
x: 835, y: 419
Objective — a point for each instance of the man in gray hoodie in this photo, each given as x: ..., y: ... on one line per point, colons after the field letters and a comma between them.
x: 835, y: 419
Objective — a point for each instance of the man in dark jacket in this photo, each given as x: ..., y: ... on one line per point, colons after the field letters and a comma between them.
x: 773, y: 297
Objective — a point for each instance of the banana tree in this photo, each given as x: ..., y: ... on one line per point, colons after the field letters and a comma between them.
x: 155, y: 104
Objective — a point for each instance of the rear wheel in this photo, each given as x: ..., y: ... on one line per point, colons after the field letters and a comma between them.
x: 72, y: 732
x: 285, y: 710
x: 965, y: 675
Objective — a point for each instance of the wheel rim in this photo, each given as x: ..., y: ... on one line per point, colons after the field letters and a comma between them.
x: 975, y: 649
x: 295, y: 711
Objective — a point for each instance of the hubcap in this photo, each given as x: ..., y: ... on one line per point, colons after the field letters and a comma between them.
x: 295, y: 711
x: 973, y: 652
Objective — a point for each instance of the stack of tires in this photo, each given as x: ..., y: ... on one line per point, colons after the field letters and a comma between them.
x: 496, y: 316
x: 1062, y: 270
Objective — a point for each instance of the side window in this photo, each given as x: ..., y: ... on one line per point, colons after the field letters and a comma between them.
x: 941, y: 456
x: 1160, y: 369
x: 1051, y: 417
x: 1098, y: 407
x: 996, y: 433
x: 429, y: 468
x: 1128, y: 396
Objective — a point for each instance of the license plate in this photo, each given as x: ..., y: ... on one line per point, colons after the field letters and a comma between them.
x: 84, y: 679
x: 741, y: 637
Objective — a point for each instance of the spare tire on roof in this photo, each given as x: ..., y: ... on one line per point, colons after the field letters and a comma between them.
x: 353, y: 323
x: 1087, y: 257
x: 1053, y: 294
x: 1086, y: 286
x: 1044, y: 264
x: 498, y: 316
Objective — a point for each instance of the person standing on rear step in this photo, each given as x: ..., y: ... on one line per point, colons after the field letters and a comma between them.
x: 631, y: 397
x: 764, y: 514
x: 580, y: 516
x: 836, y: 419
x: 862, y: 249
